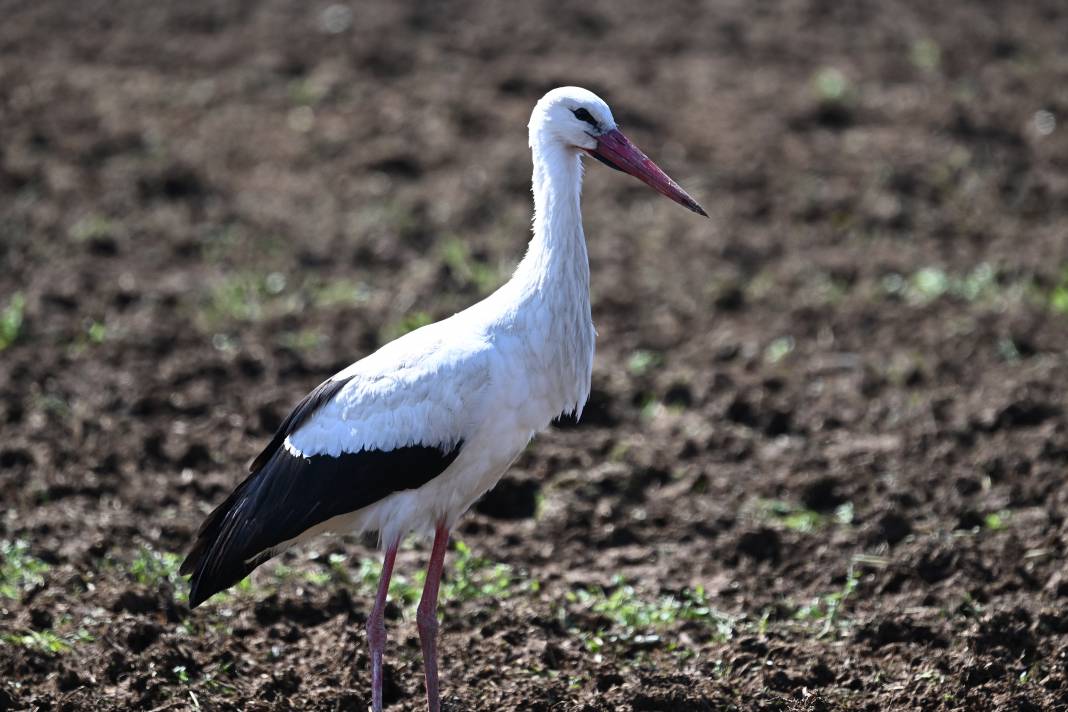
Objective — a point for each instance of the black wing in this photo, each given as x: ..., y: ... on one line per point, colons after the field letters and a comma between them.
x: 288, y: 494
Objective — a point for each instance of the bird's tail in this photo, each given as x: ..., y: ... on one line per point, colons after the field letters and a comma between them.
x: 268, y: 511
x: 243, y: 532
x: 217, y: 561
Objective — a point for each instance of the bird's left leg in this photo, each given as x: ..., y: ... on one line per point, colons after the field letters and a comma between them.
x: 376, y: 627
x: 427, y: 616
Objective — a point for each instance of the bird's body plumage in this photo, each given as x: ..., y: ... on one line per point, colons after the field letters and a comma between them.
x: 407, y: 438
x: 487, y: 379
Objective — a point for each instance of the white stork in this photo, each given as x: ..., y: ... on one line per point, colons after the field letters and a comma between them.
x: 406, y: 439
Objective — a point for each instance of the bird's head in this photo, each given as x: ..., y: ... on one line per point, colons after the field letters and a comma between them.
x: 580, y: 120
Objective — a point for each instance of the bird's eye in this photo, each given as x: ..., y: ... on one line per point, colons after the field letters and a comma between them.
x: 583, y: 115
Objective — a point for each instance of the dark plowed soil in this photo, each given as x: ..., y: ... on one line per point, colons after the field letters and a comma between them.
x: 823, y: 466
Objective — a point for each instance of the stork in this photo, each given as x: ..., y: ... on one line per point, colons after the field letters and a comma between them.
x: 406, y: 439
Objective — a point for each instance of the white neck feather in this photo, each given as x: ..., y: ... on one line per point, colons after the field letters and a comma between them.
x: 549, y: 294
x: 556, y: 259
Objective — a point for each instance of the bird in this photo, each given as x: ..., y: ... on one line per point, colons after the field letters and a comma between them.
x: 406, y: 439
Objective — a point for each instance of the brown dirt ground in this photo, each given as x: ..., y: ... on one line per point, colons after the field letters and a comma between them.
x: 824, y: 463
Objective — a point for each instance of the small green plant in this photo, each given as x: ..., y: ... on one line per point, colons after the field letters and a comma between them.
x: 52, y: 404
x: 335, y: 572
x: 631, y: 612
x: 1058, y: 296
x: 642, y: 362
x: 303, y: 340
x: 401, y: 589
x: 11, y: 320
x: 634, y: 617
x: 181, y: 674
x: 245, y: 297
x: 652, y: 408
x: 831, y: 85
x: 925, y: 55
x: 47, y: 641
x: 457, y: 257
x: 779, y: 349
x: 19, y: 570
x: 411, y: 322
x: 91, y: 227
x: 211, y: 675
x: 154, y: 568
x: 469, y: 577
x: 827, y: 608
x: 996, y: 521
x: 97, y: 332
x: 476, y: 577
x: 44, y: 641
x: 799, y: 519
x: 1008, y: 350
x: 305, y: 92
x: 338, y: 292
x: 931, y: 283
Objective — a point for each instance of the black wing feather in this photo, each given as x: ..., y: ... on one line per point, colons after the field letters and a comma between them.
x: 287, y: 494
x: 292, y: 494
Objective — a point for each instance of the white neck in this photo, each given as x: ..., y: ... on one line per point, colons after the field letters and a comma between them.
x: 556, y: 258
x: 547, y: 300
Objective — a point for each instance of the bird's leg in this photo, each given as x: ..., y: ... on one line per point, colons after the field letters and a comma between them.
x: 376, y: 627
x: 427, y: 616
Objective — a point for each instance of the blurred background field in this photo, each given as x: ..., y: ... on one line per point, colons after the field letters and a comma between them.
x: 823, y: 465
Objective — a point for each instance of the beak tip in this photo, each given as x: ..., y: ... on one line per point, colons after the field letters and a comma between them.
x: 695, y: 207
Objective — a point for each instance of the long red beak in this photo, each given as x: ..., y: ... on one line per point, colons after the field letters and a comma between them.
x: 616, y: 151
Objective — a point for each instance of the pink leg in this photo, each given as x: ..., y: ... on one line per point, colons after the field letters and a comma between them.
x: 427, y: 617
x: 376, y: 627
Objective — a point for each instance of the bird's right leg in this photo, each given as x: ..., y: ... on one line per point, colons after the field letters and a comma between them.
x: 376, y: 627
x: 427, y: 616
